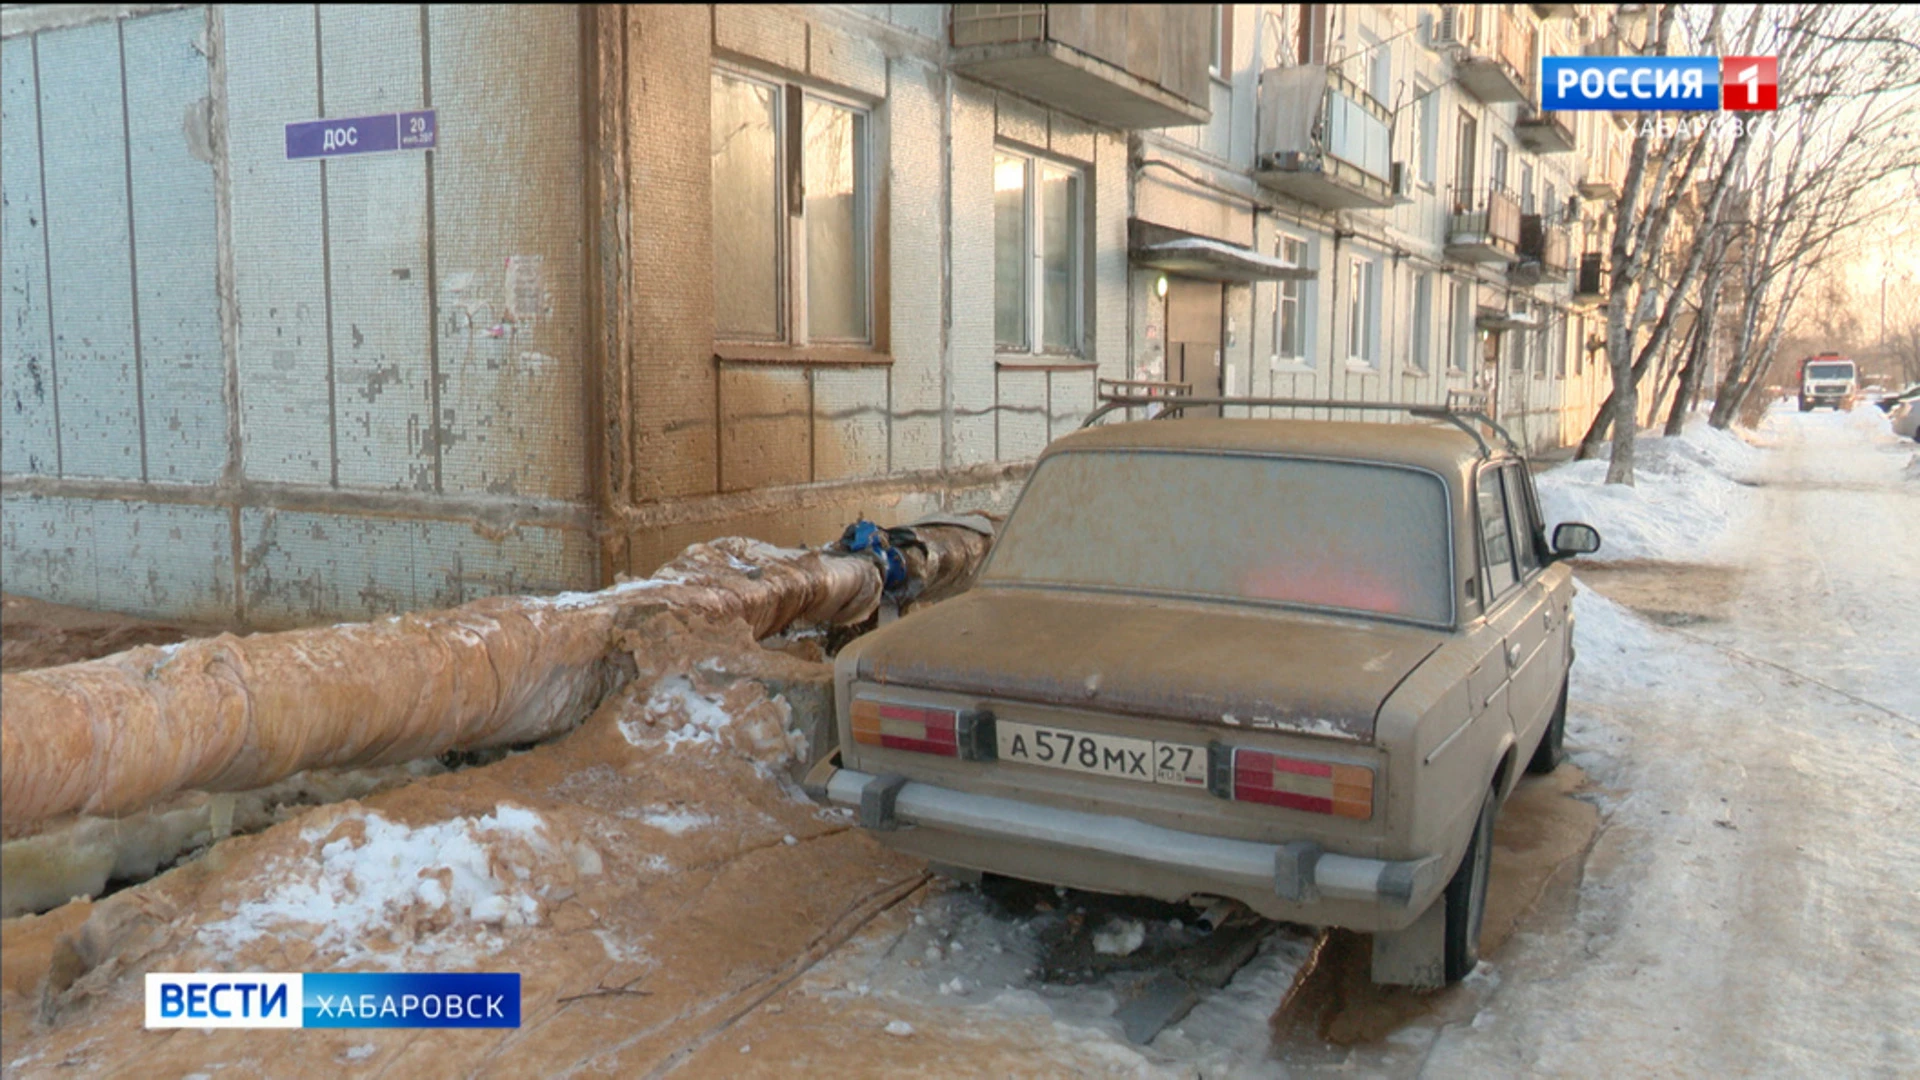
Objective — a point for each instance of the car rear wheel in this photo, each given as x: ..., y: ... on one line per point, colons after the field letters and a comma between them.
x: 1466, y: 896
x: 1553, y: 745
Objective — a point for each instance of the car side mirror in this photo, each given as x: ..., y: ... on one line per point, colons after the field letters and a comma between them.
x: 1572, y: 538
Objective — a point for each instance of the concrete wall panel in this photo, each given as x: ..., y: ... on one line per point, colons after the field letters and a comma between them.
x: 970, y: 340
x: 28, y: 439
x: 1022, y: 428
x: 917, y: 247
x: 764, y: 431
x: 141, y: 558
x: 83, y: 125
x: 171, y: 155
x: 280, y: 284
x: 510, y: 215
x: 850, y: 423
x: 377, y: 242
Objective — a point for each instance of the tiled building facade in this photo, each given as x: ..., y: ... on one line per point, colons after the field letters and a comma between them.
x: 671, y: 272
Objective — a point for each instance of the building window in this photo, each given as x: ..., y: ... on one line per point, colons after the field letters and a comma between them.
x: 1497, y: 163
x: 1422, y: 337
x: 826, y: 296
x: 1220, y: 64
x: 1380, y: 71
x: 1526, y: 188
x: 1363, y: 279
x: 1291, y: 304
x: 1463, y: 163
x: 1426, y: 135
x: 1037, y: 271
x: 1461, y: 341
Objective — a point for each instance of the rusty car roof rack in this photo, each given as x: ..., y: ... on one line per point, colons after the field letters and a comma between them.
x: 1178, y: 400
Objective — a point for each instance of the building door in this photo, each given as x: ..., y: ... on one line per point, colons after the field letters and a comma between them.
x: 1193, y: 337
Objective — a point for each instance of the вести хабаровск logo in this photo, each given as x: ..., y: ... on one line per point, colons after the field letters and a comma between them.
x: 332, y: 1000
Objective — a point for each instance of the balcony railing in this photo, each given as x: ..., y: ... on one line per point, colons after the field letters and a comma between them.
x: 1546, y: 132
x: 1499, y: 65
x: 1485, y: 225
x: 1323, y: 139
x: 1544, y: 248
x: 1128, y: 66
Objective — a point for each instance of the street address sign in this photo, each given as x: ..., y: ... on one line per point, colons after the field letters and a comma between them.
x: 361, y: 135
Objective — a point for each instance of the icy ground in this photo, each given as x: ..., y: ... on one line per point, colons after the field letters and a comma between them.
x: 1751, y: 902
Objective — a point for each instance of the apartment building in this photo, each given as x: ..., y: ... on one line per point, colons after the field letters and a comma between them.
x: 1435, y: 233
x: 625, y: 278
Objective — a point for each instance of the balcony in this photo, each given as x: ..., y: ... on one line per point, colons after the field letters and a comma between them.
x: 1498, y: 66
x: 1605, y: 173
x: 1591, y: 288
x: 1323, y: 140
x: 1545, y: 132
x: 1544, y: 251
x: 1126, y: 66
x: 1485, y: 226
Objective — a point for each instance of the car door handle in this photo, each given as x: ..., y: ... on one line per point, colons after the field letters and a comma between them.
x: 1547, y: 617
x: 1513, y: 655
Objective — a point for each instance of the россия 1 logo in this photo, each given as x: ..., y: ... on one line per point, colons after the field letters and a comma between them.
x: 1658, y: 83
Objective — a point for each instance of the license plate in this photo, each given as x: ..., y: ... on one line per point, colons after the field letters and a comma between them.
x: 1145, y: 760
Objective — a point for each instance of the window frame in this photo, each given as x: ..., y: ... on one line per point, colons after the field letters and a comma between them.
x: 1426, y: 134
x: 1460, y: 323
x: 792, y: 299
x: 1420, y: 339
x: 1529, y: 559
x: 1491, y: 597
x: 1365, y: 320
x: 1220, y: 59
x: 1302, y: 299
x: 1034, y: 243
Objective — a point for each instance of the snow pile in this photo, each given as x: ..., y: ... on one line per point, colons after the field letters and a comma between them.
x: 369, y: 877
x: 1687, y: 494
x: 680, y: 711
x: 1121, y: 937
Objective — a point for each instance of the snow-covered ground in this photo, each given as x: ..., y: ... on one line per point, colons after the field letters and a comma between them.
x: 1752, y: 904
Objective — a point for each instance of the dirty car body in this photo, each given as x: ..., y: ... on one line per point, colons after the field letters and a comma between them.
x: 1289, y: 663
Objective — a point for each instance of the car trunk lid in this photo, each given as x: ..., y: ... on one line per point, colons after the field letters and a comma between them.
x: 1209, y: 664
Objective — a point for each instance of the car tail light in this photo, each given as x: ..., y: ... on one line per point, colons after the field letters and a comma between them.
x: 923, y: 729
x: 1317, y: 787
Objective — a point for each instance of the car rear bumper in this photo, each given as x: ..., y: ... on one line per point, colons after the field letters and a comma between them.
x: 1297, y: 881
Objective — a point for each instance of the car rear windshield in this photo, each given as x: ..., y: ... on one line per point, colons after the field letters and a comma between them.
x: 1829, y: 371
x: 1293, y: 531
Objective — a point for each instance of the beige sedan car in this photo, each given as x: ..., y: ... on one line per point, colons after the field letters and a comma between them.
x: 1297, y: 664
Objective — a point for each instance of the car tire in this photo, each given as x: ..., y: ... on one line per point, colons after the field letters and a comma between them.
x: 1553, y: 745
x: 1466, y: 896
x: 1804, y: 406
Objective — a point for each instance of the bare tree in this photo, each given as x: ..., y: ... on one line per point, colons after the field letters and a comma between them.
x: 1825, y: 168
x: 1640, y: 238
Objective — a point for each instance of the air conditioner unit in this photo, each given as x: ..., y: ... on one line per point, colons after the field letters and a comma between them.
x: 1403, y: 182
x: 1447, y: 31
